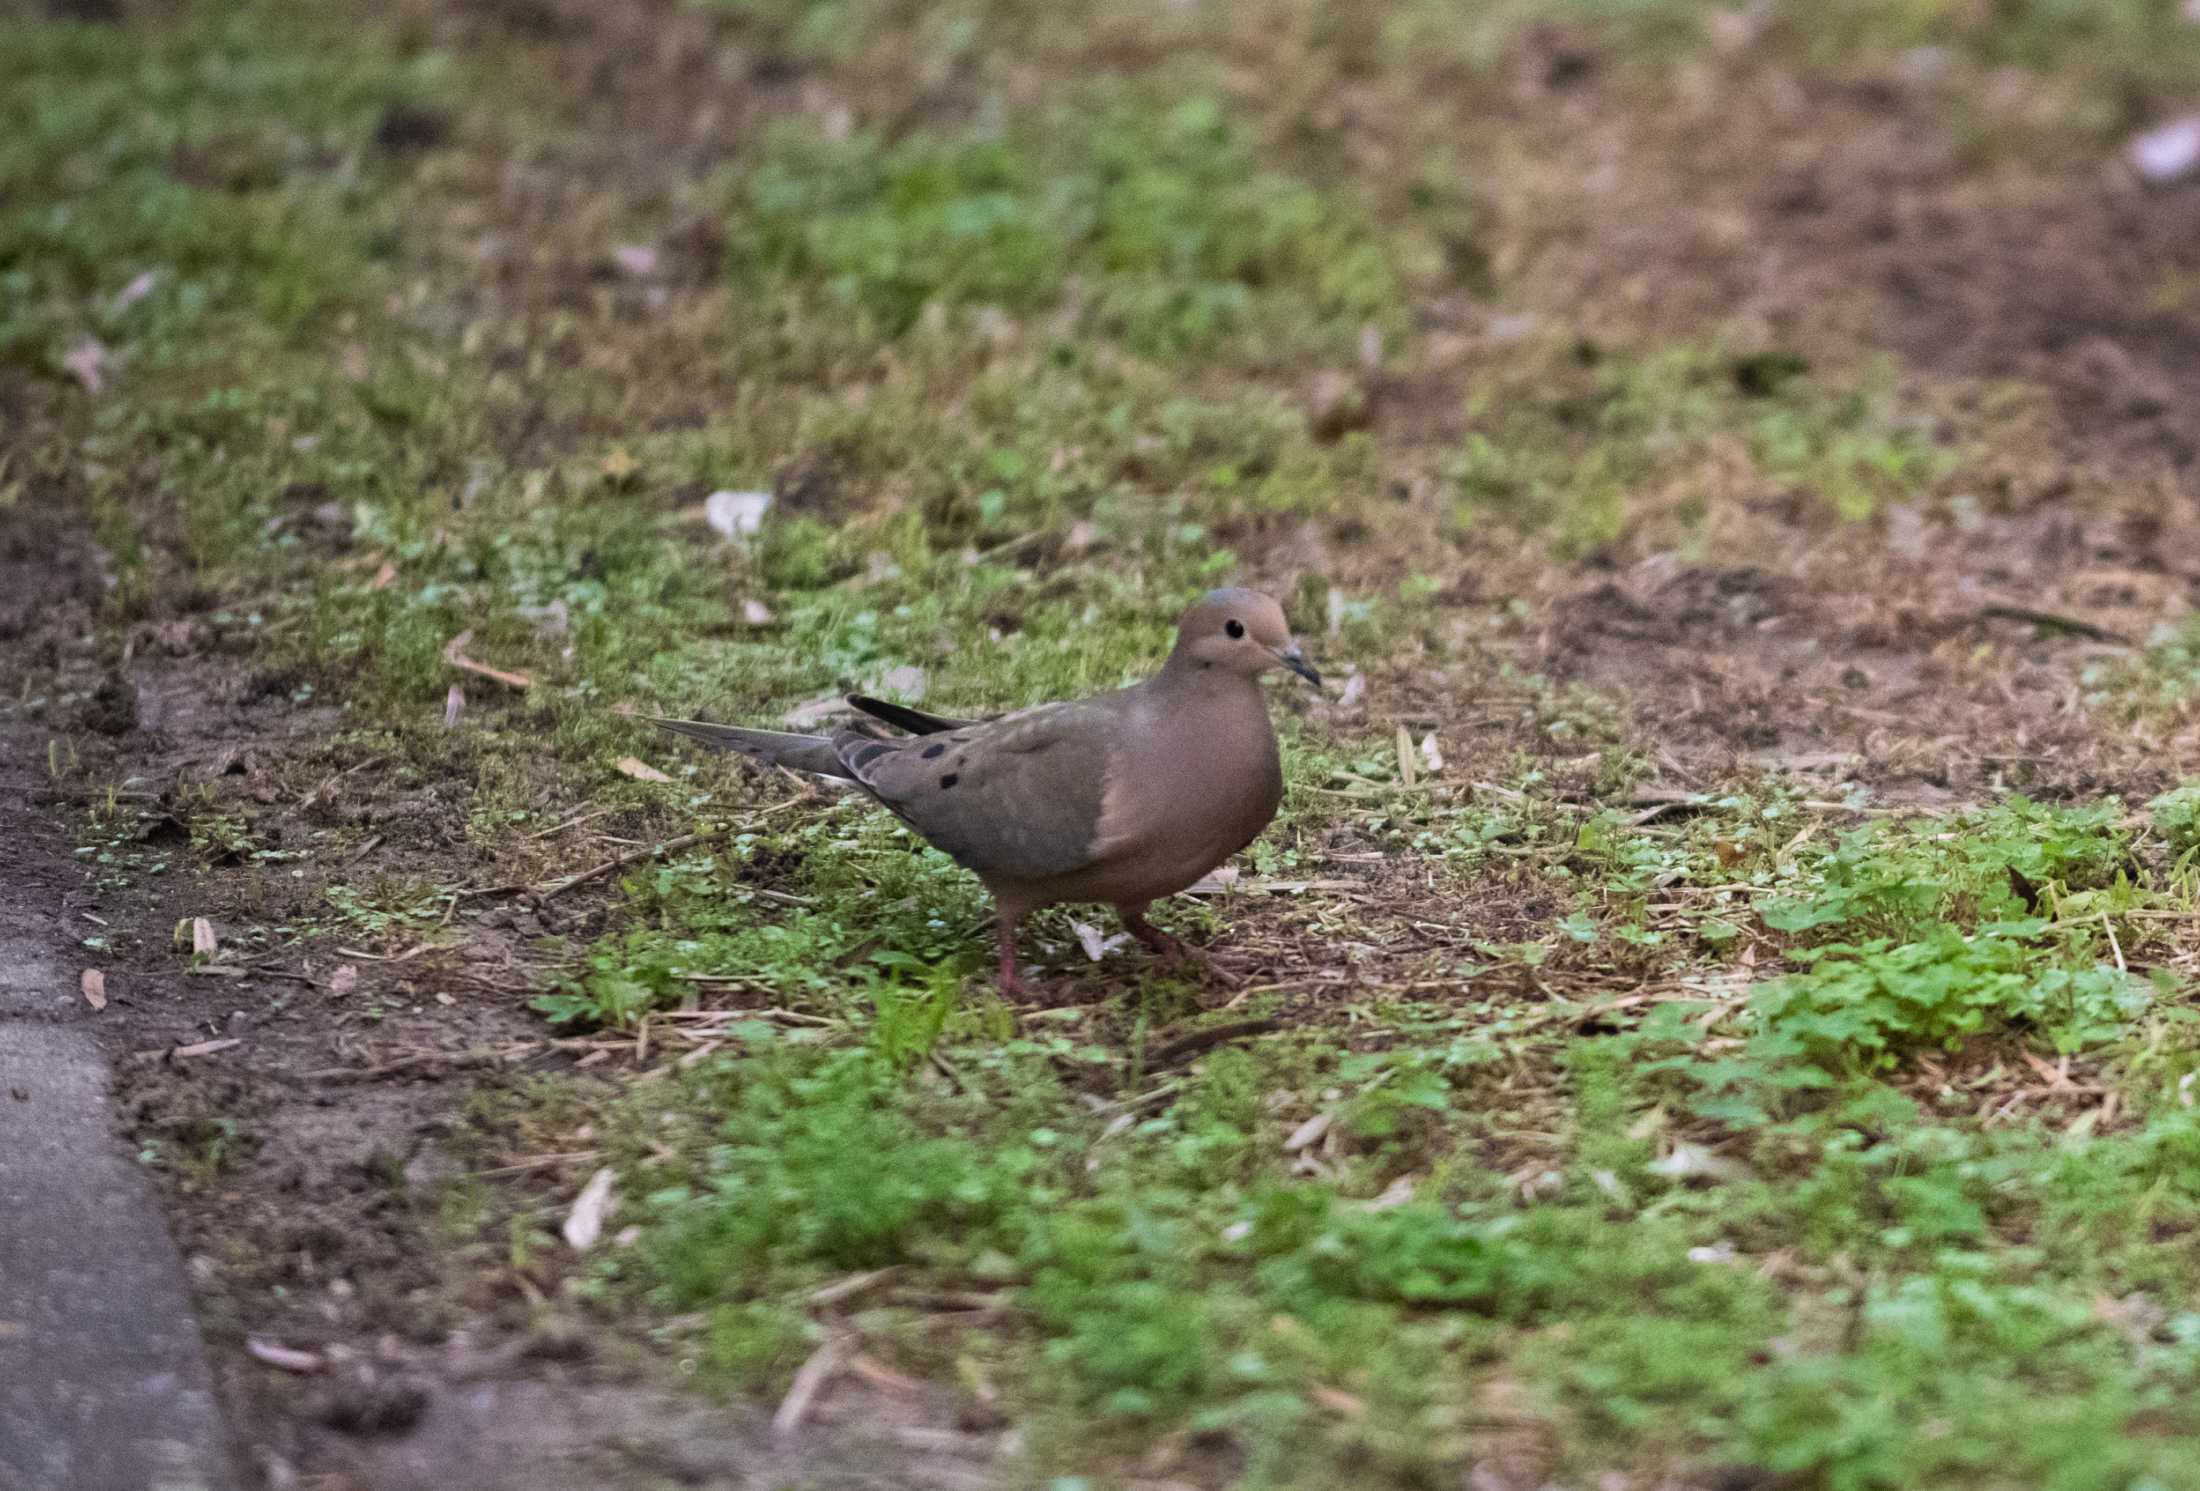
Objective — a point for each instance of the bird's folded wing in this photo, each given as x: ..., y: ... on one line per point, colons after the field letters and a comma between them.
x: 1018, y: 796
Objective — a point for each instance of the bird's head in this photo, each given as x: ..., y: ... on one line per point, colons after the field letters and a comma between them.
x: 1241, y: 631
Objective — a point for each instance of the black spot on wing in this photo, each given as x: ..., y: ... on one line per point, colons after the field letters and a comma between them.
x: 858, y: 757
x: 950, y: 779
x: 933, y: 753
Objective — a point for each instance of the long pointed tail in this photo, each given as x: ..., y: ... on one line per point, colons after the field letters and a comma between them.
x: 810, y: 753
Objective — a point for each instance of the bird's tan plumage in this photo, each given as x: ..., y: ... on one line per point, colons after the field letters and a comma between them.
x: 1124, y: 797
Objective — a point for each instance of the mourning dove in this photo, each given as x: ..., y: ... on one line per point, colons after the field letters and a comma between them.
x: 1123, y: 798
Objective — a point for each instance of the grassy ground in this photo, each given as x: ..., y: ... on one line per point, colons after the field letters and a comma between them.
x: 1715, y: 1001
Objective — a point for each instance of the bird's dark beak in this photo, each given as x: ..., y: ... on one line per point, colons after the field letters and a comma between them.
x: 1296, y: 661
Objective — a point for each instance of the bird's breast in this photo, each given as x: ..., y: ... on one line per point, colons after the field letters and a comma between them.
x: 1196, y: 787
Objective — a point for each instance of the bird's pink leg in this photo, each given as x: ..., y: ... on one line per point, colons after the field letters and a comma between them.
x: 1012, y: 983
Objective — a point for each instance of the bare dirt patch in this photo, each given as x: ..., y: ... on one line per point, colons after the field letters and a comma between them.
x: 1936, y: 655
x: 1929, y: 698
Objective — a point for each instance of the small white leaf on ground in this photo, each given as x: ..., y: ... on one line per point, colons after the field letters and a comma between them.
x: 1394, y: 1195
x: 135, y: 291
x: 1337, y: 1401
x: 811, y: 713
x: 1355, y: 689
x: 204, y: 944
x: 1694, y: 1162
x: 1308, y: 1133
x: 908, y: 682
x: 637, y: 259
x: 756, y: 613
x: 454, y: 705
x: 736, y: 515
x: 1333, y: 622
x: 553, y: 620
x: 1089, y: 938
x: 94, y: 984
x: 1721, y: 1252
x: 584, y: 1223
x: 87, y: 363
x: 343, y: 980
x: 1432, y: 755
x: 641, y: 771
x: 2167, y: 153
x: 285, y: 1358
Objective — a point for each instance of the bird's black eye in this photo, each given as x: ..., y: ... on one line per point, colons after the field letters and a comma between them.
x: 1234, y: 627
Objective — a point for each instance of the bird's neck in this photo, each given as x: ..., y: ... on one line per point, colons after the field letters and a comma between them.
x: 1186, y: 677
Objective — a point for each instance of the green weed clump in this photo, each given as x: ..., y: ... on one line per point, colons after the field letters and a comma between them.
x: 1923, y: 937
x: 2176, y: 816
x: 1856, y: 1009
x: 1172, y: 231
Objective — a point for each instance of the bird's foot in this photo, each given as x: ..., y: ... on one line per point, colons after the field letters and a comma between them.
x: 1170, y: 950
x: 1176, y: 953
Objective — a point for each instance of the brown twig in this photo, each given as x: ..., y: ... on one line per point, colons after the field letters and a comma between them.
x: 842, y: 1290
x: 513, y: 889
x: 92, y: 794
x: 573, y: 823
x: 264, y: 970
x: 946, y: 1069
x: 2055, y: 622
x: 1203, y: 1040
x: 648, y: 851
x: 454, y: 653
x: 406, y: 1063
x: 809, y: 1381
x: 653, y: 851
x: 197, y: 1048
